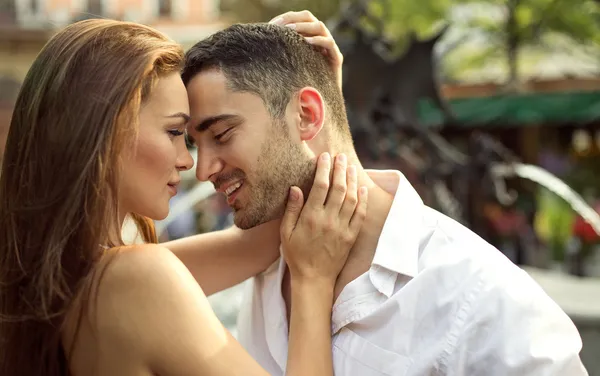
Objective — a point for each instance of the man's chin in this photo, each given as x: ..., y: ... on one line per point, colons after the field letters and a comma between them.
x: 244, y: 224
x: 244, y: 221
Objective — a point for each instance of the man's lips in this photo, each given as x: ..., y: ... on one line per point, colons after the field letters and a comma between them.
x: 231, y: 190
x: 229, y: 187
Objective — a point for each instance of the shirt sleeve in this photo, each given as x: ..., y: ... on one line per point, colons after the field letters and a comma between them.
x: 515, y: 328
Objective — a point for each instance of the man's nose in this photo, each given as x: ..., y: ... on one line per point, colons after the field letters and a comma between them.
x: 208, y: 164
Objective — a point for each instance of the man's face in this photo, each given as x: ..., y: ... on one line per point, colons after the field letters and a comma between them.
x: 248, y: 156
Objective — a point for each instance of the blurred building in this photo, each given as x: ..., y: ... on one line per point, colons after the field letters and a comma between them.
x: 25, y: 25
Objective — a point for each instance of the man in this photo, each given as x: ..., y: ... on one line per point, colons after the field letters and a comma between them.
x: 420, y: 294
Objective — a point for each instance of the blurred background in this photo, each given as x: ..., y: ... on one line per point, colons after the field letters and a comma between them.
x: 491, y: 108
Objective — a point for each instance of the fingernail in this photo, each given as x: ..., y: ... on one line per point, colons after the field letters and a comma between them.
x: 277, y: 21
x: 291, y: 26
x: 352, y: 171
x: 363, y: 191
x: 325, y: 157
x: 293, y: 194
x: 308, y: 39
x: 341, y: 158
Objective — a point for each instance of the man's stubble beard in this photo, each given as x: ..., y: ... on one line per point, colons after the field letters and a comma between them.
x: 281, y: 164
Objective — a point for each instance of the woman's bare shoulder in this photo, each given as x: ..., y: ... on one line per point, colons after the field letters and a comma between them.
x: 138, y: 266
x: 131, y: 279
x: 139, y: 296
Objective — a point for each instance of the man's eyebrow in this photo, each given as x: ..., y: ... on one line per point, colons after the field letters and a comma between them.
x: 208, y: 122
x: 182, y: 115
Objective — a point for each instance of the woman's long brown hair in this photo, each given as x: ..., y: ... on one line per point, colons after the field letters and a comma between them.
x: 76, y: 112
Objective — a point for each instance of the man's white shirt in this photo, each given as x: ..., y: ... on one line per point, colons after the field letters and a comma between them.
x: 437, y: 300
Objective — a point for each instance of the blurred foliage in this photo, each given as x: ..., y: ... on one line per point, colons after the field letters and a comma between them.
x: 579, y: 19
x: 540, y: 27
x: 584, y: 177
x: 265, y: 10
x: 553, y: 222
x: 406, y: 16
x: 509, y: 33
x: 555, y: 217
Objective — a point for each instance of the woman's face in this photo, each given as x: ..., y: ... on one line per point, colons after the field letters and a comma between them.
x: 150, y: 176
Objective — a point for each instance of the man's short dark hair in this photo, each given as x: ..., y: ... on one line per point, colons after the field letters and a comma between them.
x: 270, y: 61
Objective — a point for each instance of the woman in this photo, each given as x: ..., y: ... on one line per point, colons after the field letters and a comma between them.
x: 96, y: 135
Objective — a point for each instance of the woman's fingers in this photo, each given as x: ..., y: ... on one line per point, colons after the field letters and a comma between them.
x: 320, y: 188
x: 310, y: 29
x: 337, y: 191
x: 294, y: 17
x: 360, y: 213
x: 316, y: 33
x: 351, y: 199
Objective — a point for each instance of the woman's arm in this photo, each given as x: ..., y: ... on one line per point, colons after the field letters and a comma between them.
x: 152, y: 317
x: 221, y: 259
x: 314, y: 264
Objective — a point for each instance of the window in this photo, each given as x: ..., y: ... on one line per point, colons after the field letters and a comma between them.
x: 8, y: 12
x: 94, y: 7
x: 165, y: 7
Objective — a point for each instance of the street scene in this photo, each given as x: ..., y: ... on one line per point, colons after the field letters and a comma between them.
x: 489, y: 108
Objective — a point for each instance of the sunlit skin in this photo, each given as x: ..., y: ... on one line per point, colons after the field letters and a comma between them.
x: 239, y: 144
x: 151, y: 169
x: 139, y: 309
x: 144, y: 276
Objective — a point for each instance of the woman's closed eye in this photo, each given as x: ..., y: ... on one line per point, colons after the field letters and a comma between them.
x: 175, y: 132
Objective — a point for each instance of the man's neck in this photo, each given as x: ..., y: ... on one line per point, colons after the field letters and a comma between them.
x: 363, y: 251
x: 378, y: 207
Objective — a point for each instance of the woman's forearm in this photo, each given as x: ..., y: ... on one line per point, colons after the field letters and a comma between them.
x: 222, y: 259
x: 309, y: 350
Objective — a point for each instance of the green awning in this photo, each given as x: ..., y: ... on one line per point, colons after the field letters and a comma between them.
x: 518, y: 110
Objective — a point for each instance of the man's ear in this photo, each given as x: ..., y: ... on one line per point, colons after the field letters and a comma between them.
x: 312, y: 113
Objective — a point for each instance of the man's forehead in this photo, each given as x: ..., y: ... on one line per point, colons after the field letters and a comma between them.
x: 208, y: 80
x: 207, y: 96
x: 208, y: 93
x: 208, y: 100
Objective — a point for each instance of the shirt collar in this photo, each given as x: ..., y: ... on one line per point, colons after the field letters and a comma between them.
x: 397, y: 250
x: 398, y: 247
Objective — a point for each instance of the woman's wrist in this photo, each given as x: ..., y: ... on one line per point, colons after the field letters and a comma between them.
x: 310, y: 326
x: 315, y: 289
x: 312, y: 281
